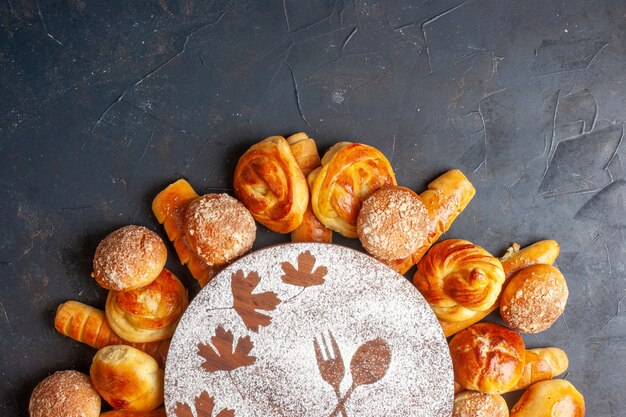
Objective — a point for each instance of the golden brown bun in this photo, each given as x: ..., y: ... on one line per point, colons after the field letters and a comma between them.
x: 534, y: 298
x: 541, y: 364
x: 129, y: 258
x: 458, y: 278
x: 127, y: 378
x: 478, y: 404
x: 310, y: 229
x: 158, y: 412
x: 542, y: 252
x: 487, y: 357
x: 64, y: 393
x: 218, y: 228
x: 88, y: 325
x: 554, y: 398
x: 349, y: 174
x: 392, y: 223
x: 269, y: 182
x: 149, y: 313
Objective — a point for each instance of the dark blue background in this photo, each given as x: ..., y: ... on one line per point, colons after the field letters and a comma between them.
x: 104, y: 103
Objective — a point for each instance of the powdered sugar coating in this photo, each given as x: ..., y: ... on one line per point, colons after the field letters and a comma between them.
x: 65, y: 393
x: 129, y: 258
x: 478, y: 404
x: 360, y: 300
x: 219, y: 228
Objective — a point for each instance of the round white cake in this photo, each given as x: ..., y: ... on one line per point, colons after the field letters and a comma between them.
x: 308, y: 329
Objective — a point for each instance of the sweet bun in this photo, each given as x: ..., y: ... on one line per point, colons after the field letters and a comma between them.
x: 149, y: 313
x: 478, y: 404
x: 349, y: 174
x: 127, y: 378
x: 219, y: 228
x: 553, y: 398
x: 487, y: 357
x: 269, y: 182
x: 157, y: 412
x: 534, y: 298
x: 129, y: 258
x: 64, y: 393
x: 458, y: 278
x: 392, y: 223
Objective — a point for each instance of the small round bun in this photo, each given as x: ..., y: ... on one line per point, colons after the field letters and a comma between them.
x: 534, y: 298
x: 219, y: 228
x: 64, y: 393
x: 552, y: 398
x: 157, y: 412
x: 127, y: 378
x: 478, y: 404
x: 488, y: 358
x: 129, y: 258
x: 392, y: 223
x: 149, y: 313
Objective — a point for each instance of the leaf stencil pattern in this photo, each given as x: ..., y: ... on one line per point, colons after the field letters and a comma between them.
x: 304, y: 276
x: 221, y: 357
x: 205, y: 405
x: 246, y: 304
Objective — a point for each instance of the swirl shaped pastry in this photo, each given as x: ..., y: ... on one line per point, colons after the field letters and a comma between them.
x: 458, y: 278
x: 269, y: 182
x: 349, y: 174
x: 150, y: 313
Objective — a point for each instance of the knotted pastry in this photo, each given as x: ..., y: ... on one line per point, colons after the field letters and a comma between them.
x: 554, y: 398
x: 127, y: 378
x: 515, y: 259
x: 129, y: 258
x: 349, y: 174
x: 150, y: 313
x: 458, y: 278
x: 446, y: 197
x: 64, y: 393
x: 478, y: 404
x: 88, y: 325
x: 488, y: 358
x: 269, y: 182
x: 392, y: 223
x: 534, y: 298
x: 310, y: 230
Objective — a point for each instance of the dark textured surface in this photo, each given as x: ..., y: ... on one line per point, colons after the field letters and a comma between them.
x: 104, y: 103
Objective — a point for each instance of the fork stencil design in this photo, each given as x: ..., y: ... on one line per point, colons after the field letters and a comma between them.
x: 368, y: 365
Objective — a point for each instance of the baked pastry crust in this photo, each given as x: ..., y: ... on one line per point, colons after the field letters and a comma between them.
x: 392, y: 223
x: 150, y: 313
x: 129, y: 258
x: 269, y: 182
x: 534, y: 298
x: 218, y: 228
x: 458, y: 278
x: 488, y: 358
x: 556, y: 397
x: 349, y: 174
x: 64, y: 393
x: 127, y: 378
x: 478, y: 404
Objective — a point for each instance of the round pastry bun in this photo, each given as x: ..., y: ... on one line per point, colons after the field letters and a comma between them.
x: 534, y: 298
x: 149, y: 313
x: 157, y: 412
x: 478, y: 404
x: 551, y: 398
x: 130, y: 257
x: 219, y: 228
x: 488, y: 358
x: 65, y: 393
x: 392, y: 223
x: 127, y: 378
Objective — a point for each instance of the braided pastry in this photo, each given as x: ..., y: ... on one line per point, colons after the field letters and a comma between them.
x: 458, y: 278
x: 269, y: 182
x: 350, y: 173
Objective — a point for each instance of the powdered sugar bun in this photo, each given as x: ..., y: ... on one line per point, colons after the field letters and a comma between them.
x: 130, y: 257
x: 219, y: 228
x: 65, y: 393
x: 478, y: 404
